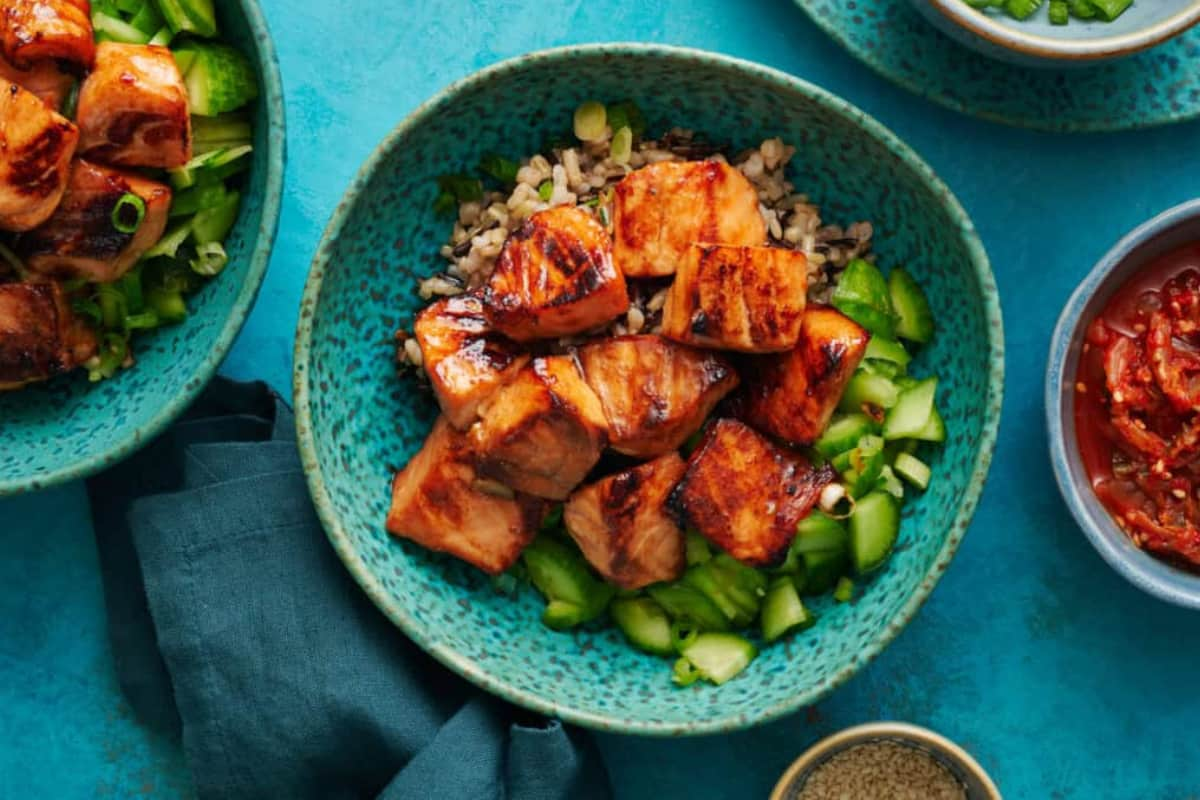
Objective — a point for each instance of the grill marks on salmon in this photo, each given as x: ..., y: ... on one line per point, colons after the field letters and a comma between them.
x: 440, y: 502
x: 40, y: 337
x: 133, y: 108
x: 555, y: 277
x: 750, y: 299
x: 43, y: 78
x: 79, y: 240
x: 36, y: 30
x: 542, y: 432
x: 36, y: 146
x: 623, y: 527
x: 662, y: 209
x: 655, y: 392
x: 465, y: 359
x: 746, y: 494
x: 793, y: 395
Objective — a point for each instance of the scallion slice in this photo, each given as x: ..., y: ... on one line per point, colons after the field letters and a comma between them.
x: 128, y: 213
x: 210, y: 259
x: 591, y: 122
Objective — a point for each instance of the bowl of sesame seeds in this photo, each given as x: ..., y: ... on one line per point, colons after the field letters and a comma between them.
x: 885, y: 761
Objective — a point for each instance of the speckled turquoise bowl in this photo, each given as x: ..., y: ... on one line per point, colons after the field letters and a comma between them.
x: 358, y: 422
x: 69, y: 428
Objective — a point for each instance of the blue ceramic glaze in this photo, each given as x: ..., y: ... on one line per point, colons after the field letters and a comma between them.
x: 1170, y: 230
x: 358, y: 422
x: 69, y: 428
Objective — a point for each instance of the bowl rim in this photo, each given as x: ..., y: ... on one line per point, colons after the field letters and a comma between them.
x: 272, y: 91
x: 1012, y: 38
x: 1150, y: 574
x: 464, y: 666
x: 868, y: 731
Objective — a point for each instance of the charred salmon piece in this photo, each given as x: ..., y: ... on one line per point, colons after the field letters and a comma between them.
x: 655, y: 392
x: 662, y: 209
x: 749, y: 299
x: 36, y: 30
x: 554, y: 277
x: 36, y: 146
x: 40, y: 337
x: 133, y: 108
x: 441, y: 503
x: 543, y: 431
x: 79, y: 240
x: 793, y: 395
x: 465, y: 359
x: 43, y: 78
x: 623, y: 526
x: 745, y: 494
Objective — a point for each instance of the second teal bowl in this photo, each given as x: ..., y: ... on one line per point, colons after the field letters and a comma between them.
x: 358, y: 422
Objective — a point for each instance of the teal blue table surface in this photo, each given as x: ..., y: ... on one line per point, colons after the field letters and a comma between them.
x: 1064, y: 681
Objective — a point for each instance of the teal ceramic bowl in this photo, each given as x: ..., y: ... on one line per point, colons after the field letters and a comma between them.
x: 1036, y: 42
x: 358, y: 422
x: 68, y: 428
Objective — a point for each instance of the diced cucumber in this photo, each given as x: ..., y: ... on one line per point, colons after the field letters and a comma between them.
x: 844, y: 591
x: 874, y: 528
x: 115, y: 29
x: 843, y: 433
x: 197, y: 198
x: 915, y: 320
x: 823, y: 568
x: 888, y: 482
x: 191, y: 16
x: 207, y: 165
x: 934, y: 430
x: 560, y: 573
x: 719, y: 656
x: 218, y: 79
x: 644, y: 623
x: 880, y: 322
x: 167, y: 304
x: 881, y: 349
x: 818, y: 531
x: 912, y: 411
x: 698, y: 550
x: 705, y: 580
x: 213, y: 224
x: 560, y: 615
x: 867, y: 388
x: 184, y: 59
x: 216, y: 133
x: 171, y: 241
x: 783, y: 610
x: 742, y: 584
x: 163, y: 37
x: 147, y: 19
x: 913, y: 470
x: 689, y: 605
x: 862, y: 295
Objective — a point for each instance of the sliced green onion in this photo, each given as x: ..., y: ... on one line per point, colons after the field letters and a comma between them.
x: 626, y: 114
x: 112, y: 306
x: 168, y: 305
x: 590, y: 122
x: 128, y: 213
x: 500, y: 168
x: 171, y: 241
x: 844, y: 592
x: 210, y: 259
x: 114, y: 349
x: 622, y: 145
x: 546, y: 190
x: 683, y: 633
x: 141, y: 322
x: 684, y: 672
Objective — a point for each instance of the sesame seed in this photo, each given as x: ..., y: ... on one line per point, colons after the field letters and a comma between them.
x: 882, y: 770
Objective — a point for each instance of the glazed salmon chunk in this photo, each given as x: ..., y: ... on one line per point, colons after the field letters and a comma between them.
x: 542, y: 432
x: 36, y: 147
x: 793, y: 395
x: 43, y: 78
x: 133, y: 108
x: 466, y: 360
x: 554, y: 277
x: 749, y: 299
x: 34, y: 30
x: 746, y: 494
x: 440, y: 502
x: 662, y: 209
x: 655, y: 392
x: 40, y: 337
x: 80, y: 241
x: 623, y: 527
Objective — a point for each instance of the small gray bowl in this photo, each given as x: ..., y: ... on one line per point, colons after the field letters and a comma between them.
x: 975, y: 781
x: 1168, y: 231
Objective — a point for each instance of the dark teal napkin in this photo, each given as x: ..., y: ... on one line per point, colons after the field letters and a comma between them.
x: 235, y: 627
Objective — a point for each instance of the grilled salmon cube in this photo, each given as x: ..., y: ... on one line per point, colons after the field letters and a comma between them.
x: 555, y: 277
x: 40, y: 337
x: 543, y: 431
x: 662, y: 209
x: 655, y: 392
x: 440, y: 502
x: 746, y: 494
x: 793, y: 395
x: 36, y: 146
x: 133, y: 108
x: 738, y: 298
x: 36, y: 30
x: 43, y: 78
x: 79, y: 240
x: 623, y: 526
x: 465, y: 359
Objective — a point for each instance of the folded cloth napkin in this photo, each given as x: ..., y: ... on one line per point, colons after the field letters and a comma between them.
x: 235, y: 627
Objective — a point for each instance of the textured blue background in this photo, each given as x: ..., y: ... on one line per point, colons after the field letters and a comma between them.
x: 1064, y: 681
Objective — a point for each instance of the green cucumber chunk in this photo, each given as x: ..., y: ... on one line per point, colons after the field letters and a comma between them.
x: 844, y: 591
x: 687, y: 604
x: 644, y: 623
x: 783, y: 610
x: 561, y: 575
x: 823, y: 568
x: 915, y: 320
x: 819, y: 531
x: 213, y: 224
x: 874, y: 528
x: 218, y: 79
x: 719, y: 656
x: 191, y: 16
x: 934, y: 430
x: 888, y: 482
x: 868, y: 389
x: 704, y: 579
x: 881, y: 349
x: 843, y: 433
x: 913, y: 470
x: 698, y: 550
x: 912, y: 411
